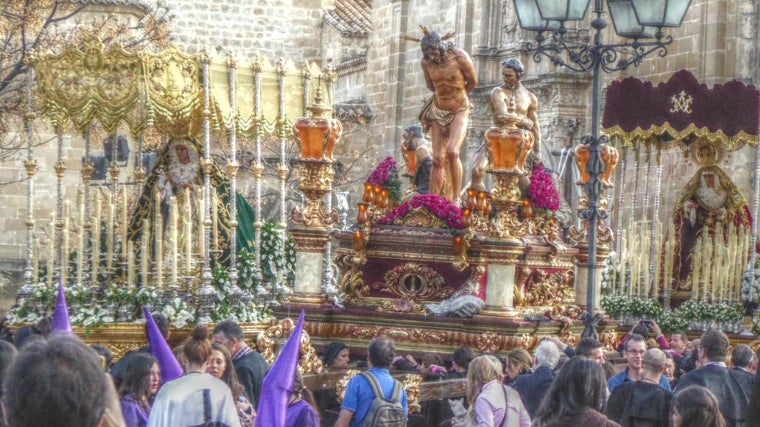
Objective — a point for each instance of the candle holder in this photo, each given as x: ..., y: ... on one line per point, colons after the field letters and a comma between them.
x: 361, y: 217
x: 317, y: 135
x: 358, y: 241
x: 466, y: 212
x: 471, y: 197
x: 368, y: 192
x: 458, y: 245
x: 527, y: 211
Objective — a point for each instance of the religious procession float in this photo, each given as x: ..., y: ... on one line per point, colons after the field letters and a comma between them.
x: 493, y: 270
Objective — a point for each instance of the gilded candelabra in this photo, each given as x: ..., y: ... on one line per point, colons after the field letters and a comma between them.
x: 317, y: 135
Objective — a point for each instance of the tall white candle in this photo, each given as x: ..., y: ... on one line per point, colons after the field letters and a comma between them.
x: 201, y: 215
x: 130, y: 264
x: 36, y: 259
x: 145, y: 252
x: 187, y: 221
x: 214, y: 219
x: 65, y: 243
x: 98, y: 207
x: 95, y: 248
x: 659, y: 245
x: 173, y: 224
x: 124, y: 224
x: 109, y: 231
x: 80, y: 235
x: 695, y: 268
x: 158, y: 234
x: 51, y: 251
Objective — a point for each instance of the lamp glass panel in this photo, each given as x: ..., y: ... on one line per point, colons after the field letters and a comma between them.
x: 530, y: 17
x: 625, y: 21
x: 528, y: 14
x: 563, y: 10
x: 650, y: 12
x: 661, y: 13
x: 675, y: 12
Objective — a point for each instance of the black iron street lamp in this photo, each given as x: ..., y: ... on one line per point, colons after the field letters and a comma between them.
x: 640, y: 22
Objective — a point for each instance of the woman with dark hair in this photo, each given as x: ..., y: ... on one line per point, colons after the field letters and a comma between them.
x: 197, y: 398
x: 221, y: 367
x: 138, y: 387
x: 696, y: 406
x: 576, y: 397
x: 336, y: 355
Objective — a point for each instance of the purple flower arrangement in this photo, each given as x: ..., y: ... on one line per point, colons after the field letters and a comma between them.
x: 541, y: 191
x: 438, y: 205
x: 386, y: 175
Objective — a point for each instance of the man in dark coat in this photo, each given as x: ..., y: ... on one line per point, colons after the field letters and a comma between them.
x: 250, y: 366
x: 731, y: 387
x: 642, y: 403
x: 533, y: 387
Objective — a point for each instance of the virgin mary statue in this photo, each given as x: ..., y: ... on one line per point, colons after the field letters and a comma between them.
x: 710, y: 203
x: 178, y: 173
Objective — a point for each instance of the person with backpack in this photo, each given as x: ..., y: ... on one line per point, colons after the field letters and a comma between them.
x: 374, y: 398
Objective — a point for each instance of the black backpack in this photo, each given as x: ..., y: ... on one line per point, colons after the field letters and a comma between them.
x: 384, y: 412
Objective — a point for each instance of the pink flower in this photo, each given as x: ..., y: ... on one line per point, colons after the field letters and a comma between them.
x: 541, y: 190
x: 386, y: 175
x: 436, y: 204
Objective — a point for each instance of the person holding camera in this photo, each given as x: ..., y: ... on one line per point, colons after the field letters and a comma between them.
x: 642, y: 327
x: 635, y: 347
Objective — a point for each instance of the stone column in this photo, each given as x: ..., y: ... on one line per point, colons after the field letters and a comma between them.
x: 501, y: 255
x: 500, y: 291
x: 310, y: 250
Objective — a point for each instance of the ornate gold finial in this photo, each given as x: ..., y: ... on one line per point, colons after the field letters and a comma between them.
x: 231, y: 60
x: 257, y: 63
x: 30, y: 166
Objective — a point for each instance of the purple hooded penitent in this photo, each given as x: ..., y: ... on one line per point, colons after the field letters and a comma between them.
x: 278, y: 382
x: 61, y: 321
x: 170, y: 368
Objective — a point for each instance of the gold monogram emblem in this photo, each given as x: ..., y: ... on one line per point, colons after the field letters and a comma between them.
x: 681, y: 102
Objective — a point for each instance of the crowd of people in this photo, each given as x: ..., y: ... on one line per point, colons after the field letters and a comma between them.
x: 52, y: 378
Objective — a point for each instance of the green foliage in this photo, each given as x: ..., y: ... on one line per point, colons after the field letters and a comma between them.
x: 274, y: 260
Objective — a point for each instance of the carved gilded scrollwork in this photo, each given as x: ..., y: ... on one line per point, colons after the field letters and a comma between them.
x: 412, y: 283
x: 609, y: 340
x: 351, y: 280
x: 488, y: 342
x: 269, y: 341
x: 507, y: 224
x: 421, y: 217
x: 412, y: 387
x: 543, y: 289
x: 340, y: 386
x: 521, y: 273
x: 399, y: 334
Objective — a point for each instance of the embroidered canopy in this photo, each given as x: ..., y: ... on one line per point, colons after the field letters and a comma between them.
x: 682, y: 109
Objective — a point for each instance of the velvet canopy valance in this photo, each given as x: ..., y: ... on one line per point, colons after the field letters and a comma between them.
x: 682, y: 109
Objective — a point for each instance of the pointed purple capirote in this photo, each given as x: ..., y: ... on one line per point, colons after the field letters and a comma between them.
x: 170, y: 368
x: 278, y: 382
x: 61, y: 321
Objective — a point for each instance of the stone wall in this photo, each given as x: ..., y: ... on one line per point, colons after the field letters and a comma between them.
x: 289, y: 29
